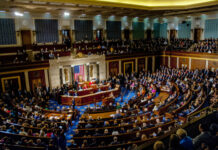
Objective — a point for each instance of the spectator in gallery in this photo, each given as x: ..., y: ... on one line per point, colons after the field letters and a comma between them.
x: 185, y: 140
x: 115, y: 141
x: 117, y: 115
x: 159, y: 145
x: 174, y: 143
x: 51, y: 55
x: 204, y: 137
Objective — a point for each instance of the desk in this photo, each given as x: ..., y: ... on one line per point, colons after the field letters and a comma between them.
x: 59, y: 116
x: 88, y: 99
x: 89, y: 90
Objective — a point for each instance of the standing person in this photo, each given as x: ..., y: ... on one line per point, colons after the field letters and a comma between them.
x: 61, y: 141
x: 73, y: 103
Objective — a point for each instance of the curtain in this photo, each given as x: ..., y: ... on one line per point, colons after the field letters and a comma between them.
x: 83, y: 30
x: 163, y: 30
x: 113, y: 30
x: 7, y: 32
x: 184, y: 30
x: 46, y: 30
x: 156, y: 30
x: 138, y: 30
x: 211, y: 28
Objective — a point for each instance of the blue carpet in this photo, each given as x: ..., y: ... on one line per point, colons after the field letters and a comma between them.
x: 69, y: 133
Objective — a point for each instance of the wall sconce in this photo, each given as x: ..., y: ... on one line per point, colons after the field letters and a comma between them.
x: 18, y: 33
x: 34, y: 33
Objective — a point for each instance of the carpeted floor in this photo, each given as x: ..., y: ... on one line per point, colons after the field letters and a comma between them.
x: 69, y: 134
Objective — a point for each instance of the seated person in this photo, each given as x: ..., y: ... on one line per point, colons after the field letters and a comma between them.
x: 80, y: 88
x: 99, y: 89
x: 75, y: 93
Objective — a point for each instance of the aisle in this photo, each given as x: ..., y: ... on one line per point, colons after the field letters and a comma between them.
x: 69, y: 134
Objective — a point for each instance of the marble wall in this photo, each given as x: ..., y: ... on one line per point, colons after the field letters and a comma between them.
x: 63, y: 62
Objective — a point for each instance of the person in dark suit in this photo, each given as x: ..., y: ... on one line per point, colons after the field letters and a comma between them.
x: 73, y: 103
x: 75, y: 94
x: 204, y: 137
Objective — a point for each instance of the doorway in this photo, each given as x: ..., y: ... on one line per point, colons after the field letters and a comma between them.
x: 149, y: 32
x: 126, y: 34
x: 26, y: 38
x: 197, y: 34
x: 99, y: 34
x: 172, y: 34
x: 66, y: 38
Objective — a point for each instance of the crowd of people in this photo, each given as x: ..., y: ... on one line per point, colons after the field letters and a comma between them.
x: 206, y: 140
x: 206, y: 46
x: 23, y: 113
x: 190, y: 84
x: 180, y: 44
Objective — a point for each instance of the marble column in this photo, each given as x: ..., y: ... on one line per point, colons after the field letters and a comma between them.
x: 87, y: 70
x: 46, y: 77
x: 120, y: 67
x: 153, y: 63
x: 72, y: 74
x: 190, y: 63
x: 136, y: 65
x: 107, y: 69
x: 146, y: 63
x: 61, y: 76
x: 27, y: 82
x: 98, y: 73
x: 206, y: 66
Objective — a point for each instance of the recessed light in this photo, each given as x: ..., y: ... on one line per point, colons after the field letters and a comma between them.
x: 18, y: 14
x: 66, y: 14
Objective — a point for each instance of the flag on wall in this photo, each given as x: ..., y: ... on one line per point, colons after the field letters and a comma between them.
x: 79, y: 71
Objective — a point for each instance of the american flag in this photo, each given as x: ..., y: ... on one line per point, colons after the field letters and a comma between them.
x: 79, y: 71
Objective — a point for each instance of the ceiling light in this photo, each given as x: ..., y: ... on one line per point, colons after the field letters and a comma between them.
x: 18, y: 14
x: 66, y: 14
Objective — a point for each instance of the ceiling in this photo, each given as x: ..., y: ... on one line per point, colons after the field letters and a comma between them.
x: 131, y: 8
x: 144, y: 4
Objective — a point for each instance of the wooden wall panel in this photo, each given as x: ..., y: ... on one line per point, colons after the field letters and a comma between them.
x: 141, y: 64
x: 126, y: 62
x: 113, y: 68
x: 150, y: 64
x: 212, y: 64
x: 198, y: 64
x: 36, y: 79
x: 173, y: 62
x: 20, y: 75
x: 183, y: 61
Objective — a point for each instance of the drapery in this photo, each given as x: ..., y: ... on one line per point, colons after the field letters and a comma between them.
x: 83, y: 30
x: 113, y: 30
x: 211, y: 28
x: 138, y: 30
x: 160, y: 30
x: 184, y: 30
x: 46, y: 30
x: 7, y: 32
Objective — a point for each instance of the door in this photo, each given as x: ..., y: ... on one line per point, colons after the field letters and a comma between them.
x: 26, y: 38
x: 36, y: 83
x: 173, y: 34
x: 149, y: 32
x: 66, y: 38
x: 99, y: 34
x: 150, y: 64
x: 197, y: 35
x: 126, y: 34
